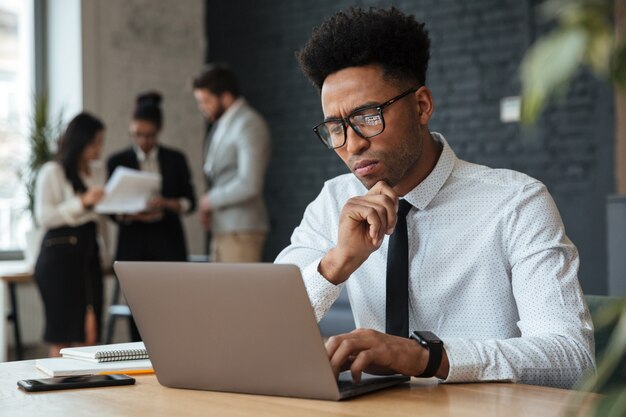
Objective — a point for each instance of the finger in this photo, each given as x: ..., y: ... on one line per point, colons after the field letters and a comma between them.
x: 387, y: 209
x: 391, y: 201
x: 332, y: 344
x: 349, y: 347
x: 381, y: 187
x: 359, y: 214
x: 377, y: 220
x: 363, y: 360
x: 379, y: 223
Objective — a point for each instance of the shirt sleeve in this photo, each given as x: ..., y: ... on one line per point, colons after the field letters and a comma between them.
x: 556, y: 345
x: 51, y: 208
x: 309, y: 243
x: 253, y: 150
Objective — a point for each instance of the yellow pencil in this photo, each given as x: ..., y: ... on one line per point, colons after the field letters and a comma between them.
x: 129, y: 372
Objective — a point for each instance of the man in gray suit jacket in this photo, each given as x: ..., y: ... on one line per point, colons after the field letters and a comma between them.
x: 238, y: 151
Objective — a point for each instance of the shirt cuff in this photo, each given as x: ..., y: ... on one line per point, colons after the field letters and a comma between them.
x: 322, y: 293
x: 463, y: 360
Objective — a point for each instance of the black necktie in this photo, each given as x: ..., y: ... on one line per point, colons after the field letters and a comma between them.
x: 398, y: 276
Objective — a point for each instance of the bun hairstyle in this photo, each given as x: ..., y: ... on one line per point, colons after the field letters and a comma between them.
x: 148, y: 107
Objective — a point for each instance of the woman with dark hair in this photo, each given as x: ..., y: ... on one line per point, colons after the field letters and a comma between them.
x: 157, y: 233
x: 68, y: 271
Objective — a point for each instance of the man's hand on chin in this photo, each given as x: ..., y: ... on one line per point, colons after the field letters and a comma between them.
x: 363, y: 223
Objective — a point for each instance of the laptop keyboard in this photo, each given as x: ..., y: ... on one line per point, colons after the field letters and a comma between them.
x: 368, y: 383
x: 345, y: 385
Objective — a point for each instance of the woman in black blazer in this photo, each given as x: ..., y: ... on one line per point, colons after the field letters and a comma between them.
x: 157, y: 233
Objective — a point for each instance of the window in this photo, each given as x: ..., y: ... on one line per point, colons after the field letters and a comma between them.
x: 16, y: 95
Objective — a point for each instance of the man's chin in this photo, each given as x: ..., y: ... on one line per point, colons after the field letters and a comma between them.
x: 369, y: 182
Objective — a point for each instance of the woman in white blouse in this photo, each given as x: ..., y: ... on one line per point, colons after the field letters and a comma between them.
x: 68, y: 271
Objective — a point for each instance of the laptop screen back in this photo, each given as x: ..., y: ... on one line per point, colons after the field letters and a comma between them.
x: 245, y: 328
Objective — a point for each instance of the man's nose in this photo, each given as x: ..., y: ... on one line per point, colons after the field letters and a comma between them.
x: 355, y: 144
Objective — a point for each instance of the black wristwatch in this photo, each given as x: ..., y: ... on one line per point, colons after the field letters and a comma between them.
x: 435, y: 350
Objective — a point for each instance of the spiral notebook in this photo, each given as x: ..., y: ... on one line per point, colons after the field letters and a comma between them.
x: 107, y: 353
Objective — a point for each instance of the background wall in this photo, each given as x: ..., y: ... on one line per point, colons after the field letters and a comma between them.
x: 476, y: 49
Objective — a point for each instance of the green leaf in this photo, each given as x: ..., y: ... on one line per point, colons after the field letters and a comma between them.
x: 613, y: 405
x: 548, y: 66
x: 43, y: 136
x: 615, y: 351
x: 599, y: 51
x: 618, y: 72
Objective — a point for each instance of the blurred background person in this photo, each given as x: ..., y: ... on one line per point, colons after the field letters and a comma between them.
x: 237, y: 155
x: 68, y: 271
x: 156, y: 234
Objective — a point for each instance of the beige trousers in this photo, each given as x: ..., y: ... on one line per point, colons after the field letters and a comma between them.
x: 238, y: 247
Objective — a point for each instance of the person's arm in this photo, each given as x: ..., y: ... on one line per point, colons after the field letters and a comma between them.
x: 333, y: 241
x: 309, y: 242
x: 556, y: 345
x: 188, y: 199
x: 366, y: 350
x: 182, y: 198
x: 253, y: 152
x: 51, y: 209
x: 112, y: 164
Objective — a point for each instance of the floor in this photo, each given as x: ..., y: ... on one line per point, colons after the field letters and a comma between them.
x: 30, y: 352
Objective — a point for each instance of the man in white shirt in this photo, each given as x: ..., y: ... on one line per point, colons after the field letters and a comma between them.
x: 493, y: 293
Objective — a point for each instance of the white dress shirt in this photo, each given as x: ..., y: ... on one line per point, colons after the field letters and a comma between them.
x: 56, y: 202
x: 492, y: 273
x: 148, y: 162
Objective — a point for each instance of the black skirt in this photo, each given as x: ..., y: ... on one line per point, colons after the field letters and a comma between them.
x: 69, y: 276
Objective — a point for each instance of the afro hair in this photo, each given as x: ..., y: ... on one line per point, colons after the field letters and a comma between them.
x: 357, y: 37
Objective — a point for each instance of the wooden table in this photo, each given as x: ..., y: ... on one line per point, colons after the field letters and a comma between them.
x: 11, y: 274
x: 147, y: 397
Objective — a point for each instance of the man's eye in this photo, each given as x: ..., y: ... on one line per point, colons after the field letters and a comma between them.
x: 367, y: 120
x: 336, y: 129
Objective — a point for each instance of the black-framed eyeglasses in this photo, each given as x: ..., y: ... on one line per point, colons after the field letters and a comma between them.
x: 366, y: 122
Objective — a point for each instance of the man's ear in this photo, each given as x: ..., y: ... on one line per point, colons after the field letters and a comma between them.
x: 425, y: 104
x: 227, y: 99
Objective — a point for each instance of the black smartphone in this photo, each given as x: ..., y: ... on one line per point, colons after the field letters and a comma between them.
x: 69, y: 382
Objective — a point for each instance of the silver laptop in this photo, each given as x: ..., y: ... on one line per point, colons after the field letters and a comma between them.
x: 246, y: 328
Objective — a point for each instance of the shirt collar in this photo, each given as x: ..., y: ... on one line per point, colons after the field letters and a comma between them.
x: 425, y: 191
x: 150, y: 156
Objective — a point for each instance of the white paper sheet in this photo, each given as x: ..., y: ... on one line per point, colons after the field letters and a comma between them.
x: 128, y: 191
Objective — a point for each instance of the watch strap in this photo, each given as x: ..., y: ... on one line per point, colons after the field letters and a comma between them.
x: 434, y: 345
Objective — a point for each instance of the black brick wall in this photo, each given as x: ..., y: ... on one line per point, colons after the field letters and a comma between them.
x: 476, y: 49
